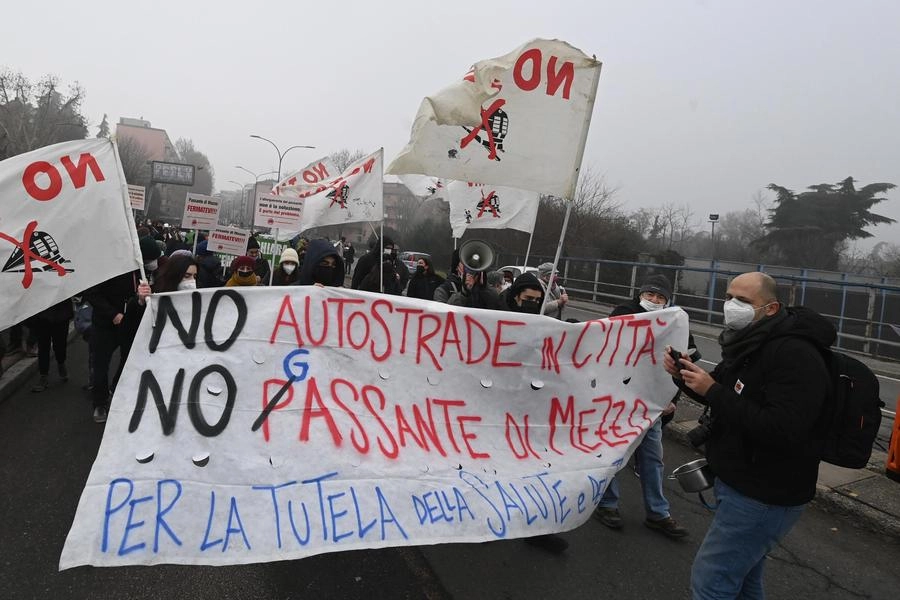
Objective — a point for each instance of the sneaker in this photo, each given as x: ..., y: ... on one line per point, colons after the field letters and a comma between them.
x: 63, y: 372
x: 551, y: 543
x: 42, y: 384
x: 100, y: 414
x: 667, y: 526
x: 609, y: 517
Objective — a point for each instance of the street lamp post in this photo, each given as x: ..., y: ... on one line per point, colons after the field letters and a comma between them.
x: 255, y: 186
x: 280, y: 153
x: 713, y: 218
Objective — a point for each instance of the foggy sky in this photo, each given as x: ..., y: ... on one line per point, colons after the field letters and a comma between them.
x: 700, y: 102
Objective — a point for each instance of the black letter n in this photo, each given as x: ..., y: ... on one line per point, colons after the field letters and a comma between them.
x: 167, y: 309
x: 167, y: 415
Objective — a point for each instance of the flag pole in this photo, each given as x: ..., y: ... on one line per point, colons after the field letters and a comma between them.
x: 571, y: 192
x: 381, y: 256
x: 528, y: 250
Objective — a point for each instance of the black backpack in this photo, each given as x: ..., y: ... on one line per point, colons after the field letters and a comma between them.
x: 852, y: 415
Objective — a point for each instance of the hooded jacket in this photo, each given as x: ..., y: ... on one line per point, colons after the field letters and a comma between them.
x: 764, y: 406
x: 315, y: 252
x: 523, y: 281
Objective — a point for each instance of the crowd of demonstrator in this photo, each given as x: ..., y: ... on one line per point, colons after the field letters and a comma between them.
x: 765, y: 472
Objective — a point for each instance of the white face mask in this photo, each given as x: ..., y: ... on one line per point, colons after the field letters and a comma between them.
x: 651, y: 306
x: 288, y: 267
x: 505, y: 286
x: 151, y: 266
x: 187, y: 284
x: 739, y: 314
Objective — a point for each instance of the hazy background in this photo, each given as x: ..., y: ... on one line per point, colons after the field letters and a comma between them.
x: 699, y: 102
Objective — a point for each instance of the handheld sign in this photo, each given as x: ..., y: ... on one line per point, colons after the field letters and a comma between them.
x: 200, y: 212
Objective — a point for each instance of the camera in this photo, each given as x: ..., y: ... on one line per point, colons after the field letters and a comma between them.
x: 700, y: 434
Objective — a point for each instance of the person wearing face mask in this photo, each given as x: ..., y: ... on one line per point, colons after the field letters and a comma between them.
x: 765, y: 397
x: 525, y: 296
x: 322, y: 266
x: 557, y: 298
x: 209, y: 268
x: 424, y: 281
x: 242, y: 274
x: 287, y: 273
x: 370, y: 260
x: 260, y: 264
x: 150, y: 252
x: 653, y: 295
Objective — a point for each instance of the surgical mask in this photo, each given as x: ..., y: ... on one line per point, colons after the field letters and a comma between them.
x: 288, y: 267
x: 505, y: 286
x: 187, y: 284
x: 739, y: 314
x: 151, y: 266
x: 323, y: 274
x: 651, y: 306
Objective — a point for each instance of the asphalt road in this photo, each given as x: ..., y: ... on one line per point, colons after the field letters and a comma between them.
x: 48, y: 443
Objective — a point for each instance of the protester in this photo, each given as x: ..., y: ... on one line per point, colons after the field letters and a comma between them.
x: 424, y: 281
x: 322, y: 265
x: 525, y: 296
x: 384, y: 280
x: 557, y: 298
x: 242, y: 274
x: 476, y: 293
x: 369, y: 260
x: 209, y: 268
x: 287, y: 273
x: 507, y: 279
x: 349, y: 253
x: 110, y: 330
x: 179, y: 274
x: 765, y: 397
x: 653, y: 295
x: 495, y: 280
x: 454, y: 281
x: 150, y: 252
x: 51, y: 326
x: 260, y: 264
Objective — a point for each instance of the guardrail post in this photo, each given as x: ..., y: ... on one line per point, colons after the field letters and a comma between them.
x: 596, y: 280
x: 711, y: 293
x: 843, y: 307
x: 634, y: 269
x: 804, y: 274
x: 870, y: 313
x: 881, y: 316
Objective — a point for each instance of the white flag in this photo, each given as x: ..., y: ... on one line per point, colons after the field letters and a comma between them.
x: 65, y: 225
x: 354, y: 196
x: 424, y: 186
x: 483, y: 206
x: 519, y: 120
x: 309, y: 177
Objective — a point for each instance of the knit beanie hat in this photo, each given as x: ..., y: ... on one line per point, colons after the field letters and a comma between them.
x: 657, y: 284
x: 290, y: 255
x: 244, y: 262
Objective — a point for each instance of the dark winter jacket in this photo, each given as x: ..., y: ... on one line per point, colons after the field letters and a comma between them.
x: 209, y: 272
x: 423, y: 285
x: 58, y: 313
x: 365, y: 264
x: 764, y: 407
x: 315, y: 252
x: 111, y: 298
x: 279, y: 277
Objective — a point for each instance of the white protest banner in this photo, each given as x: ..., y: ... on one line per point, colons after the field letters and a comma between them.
x: 200, y: 212
x: 54, y: 202
x: 309, y: 177
x: 481, y: 206
x: 136, y: 196
x: 312, y: 420
x: 224, y: 240
x: 518, y: 120
x: 278, y: 212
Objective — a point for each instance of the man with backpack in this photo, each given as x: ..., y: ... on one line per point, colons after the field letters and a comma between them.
x: 768, y: 398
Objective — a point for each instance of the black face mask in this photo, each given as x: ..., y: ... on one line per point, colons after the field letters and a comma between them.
x: 531, y: 307
x: 420, y: 269
x: 323, y: 274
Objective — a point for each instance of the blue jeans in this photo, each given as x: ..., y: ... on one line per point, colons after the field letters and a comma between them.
x: 648, y: 456
x: 729, y: 563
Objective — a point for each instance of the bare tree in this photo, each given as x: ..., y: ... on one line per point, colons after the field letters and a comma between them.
x: 135, y: 160
x: 37, y: 115
x: 343, y: 158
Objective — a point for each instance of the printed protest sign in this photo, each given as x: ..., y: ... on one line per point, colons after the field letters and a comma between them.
x: 228, y: 241
x: 55, y: 200
x: 518, y: 120
x: 200, y: 212
x: 278, y: 212
x: 136, y: 196
x: 261, y: 424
